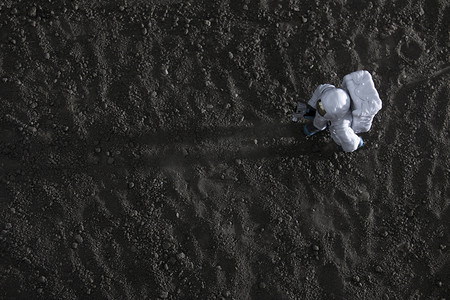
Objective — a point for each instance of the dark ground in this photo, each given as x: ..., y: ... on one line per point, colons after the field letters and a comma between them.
x: 146, y: 151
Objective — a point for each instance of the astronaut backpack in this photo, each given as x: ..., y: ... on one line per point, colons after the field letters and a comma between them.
x: 365, y: 99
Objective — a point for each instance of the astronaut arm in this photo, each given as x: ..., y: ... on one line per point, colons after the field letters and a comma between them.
x: 317, y: 93
x: 320, y: 122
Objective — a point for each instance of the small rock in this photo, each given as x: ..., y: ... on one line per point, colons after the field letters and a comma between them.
x: 42, y: 279
x: 74, y: 245
x: 121, y: 8
x: 262, y: 285
x: 131, y: 185
x: 166, y: 245
x: 315, y: 248
x: 207, y: 22
x: 8, y: 226
x: 47, y: 55
x: 379, y: 269
x: 164, y: 295
x: 79, y: 239
x: 356, y: 278
x: 181, y: 256
x: 32, y: 12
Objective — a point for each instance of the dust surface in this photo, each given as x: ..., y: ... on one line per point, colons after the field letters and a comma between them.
x: 146, y: 151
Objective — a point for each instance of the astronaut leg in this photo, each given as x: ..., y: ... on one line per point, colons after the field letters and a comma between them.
x: 309, y: 129
x: 317, y: 125
x: 346, y: 138
x: 310, y: 112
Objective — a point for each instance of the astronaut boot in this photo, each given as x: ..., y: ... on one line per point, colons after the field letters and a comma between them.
x: 309, y: 129
x: 361, y: 143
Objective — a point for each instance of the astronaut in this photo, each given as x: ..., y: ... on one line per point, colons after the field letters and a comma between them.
x: 330, y: 107
x: 345, y: 111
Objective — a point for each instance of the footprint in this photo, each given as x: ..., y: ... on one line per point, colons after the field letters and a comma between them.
x: 411, y: 49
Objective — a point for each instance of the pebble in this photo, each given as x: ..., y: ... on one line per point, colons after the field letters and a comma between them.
x: 315, y: 248
x: 110, y: 160
x: 164, y: 295
x: 356, y: 278
x: 262, y: 285
x: 32, y: 12
x: 8, y: 226
x: 74, y: 245
x: 79, y: 239
x: 207, y: 22
x: 181, y: 255
x: 166, y: 245
x: 42, y: 279
x: 131, y: 185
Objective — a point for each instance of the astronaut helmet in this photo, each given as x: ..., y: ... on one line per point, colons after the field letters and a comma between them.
x: 334, y: 103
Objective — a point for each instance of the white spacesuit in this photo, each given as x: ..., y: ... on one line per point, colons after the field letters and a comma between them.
x: 345, y: 111
x: 333, y: 109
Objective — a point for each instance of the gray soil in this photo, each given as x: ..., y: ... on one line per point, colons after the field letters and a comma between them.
x: 146, y: 151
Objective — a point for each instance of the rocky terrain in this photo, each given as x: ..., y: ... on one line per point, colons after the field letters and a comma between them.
x: 147, y: 151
